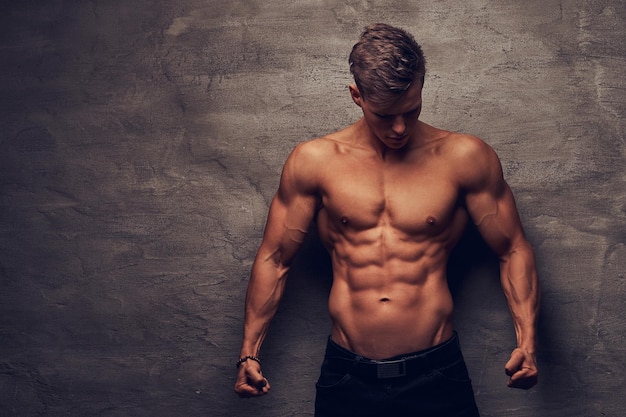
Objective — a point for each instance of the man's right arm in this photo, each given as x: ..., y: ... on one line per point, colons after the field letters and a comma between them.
x: 290, y: 215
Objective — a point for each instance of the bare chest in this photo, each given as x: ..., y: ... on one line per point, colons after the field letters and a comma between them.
x: 411, y: 199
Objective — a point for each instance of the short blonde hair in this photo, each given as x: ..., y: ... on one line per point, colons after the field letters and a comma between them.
x: 385, y: 62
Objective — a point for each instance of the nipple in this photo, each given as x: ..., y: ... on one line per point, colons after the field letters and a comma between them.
x: 431, y: 220
x: 344, y: 220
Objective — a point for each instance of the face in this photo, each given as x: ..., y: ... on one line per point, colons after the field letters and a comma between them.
x: 392, y: 124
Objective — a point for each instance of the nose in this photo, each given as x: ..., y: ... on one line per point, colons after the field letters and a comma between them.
x: 399, y: 126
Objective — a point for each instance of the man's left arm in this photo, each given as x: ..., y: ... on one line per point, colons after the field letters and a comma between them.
x: 492, y: 207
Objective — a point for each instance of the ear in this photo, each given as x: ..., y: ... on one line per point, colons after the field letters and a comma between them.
x: 356, y: 95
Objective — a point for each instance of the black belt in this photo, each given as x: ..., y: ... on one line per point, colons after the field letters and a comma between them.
x: 413, y: 364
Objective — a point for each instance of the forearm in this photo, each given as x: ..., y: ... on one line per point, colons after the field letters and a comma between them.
x: 265, y: 290
x: 521, y: 288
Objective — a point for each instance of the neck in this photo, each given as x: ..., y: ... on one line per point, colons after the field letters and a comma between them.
x: 365, y: 137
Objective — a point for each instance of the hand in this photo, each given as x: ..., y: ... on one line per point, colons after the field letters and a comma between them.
x: 522, y: 368
x: 250, y: 380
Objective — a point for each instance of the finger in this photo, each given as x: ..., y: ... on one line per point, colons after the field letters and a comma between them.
x: 262, y: 383
x: 525, y: 384
x: 264, y: 386
x: 251, y: 384
x: 514, y: 363
x: 250, y: 393
x: 253, y: 372
x: 246, y: 390
x: 524, y: 379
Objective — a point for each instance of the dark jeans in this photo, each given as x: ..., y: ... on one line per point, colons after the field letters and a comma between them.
x: 429, y: 383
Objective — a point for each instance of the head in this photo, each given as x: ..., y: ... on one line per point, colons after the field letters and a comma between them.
x: 385, y: 63
x: 388, y: 68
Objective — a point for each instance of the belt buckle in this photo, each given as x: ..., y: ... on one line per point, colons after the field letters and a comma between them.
x: 391, y: 369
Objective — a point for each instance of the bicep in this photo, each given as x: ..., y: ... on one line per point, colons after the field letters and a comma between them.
x: 495, y: 215
x: 287, y: 225
x: 290, y: 215
x: 492, y: 207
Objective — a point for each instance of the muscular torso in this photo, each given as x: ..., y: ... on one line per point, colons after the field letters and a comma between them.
x: 389, y: 224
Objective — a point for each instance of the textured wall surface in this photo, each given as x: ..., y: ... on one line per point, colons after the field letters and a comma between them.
x: 141, y: 142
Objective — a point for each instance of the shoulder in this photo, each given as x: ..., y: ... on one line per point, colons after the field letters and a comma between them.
x: 307, y: 156
x: 474, y: 161
x: 312, y: 149
x: 467, y: 147
x: 455, y: 146
x: 304, y: 166
x: 320, y: 151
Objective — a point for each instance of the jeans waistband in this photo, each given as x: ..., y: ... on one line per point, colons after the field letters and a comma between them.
x: 410, y: 364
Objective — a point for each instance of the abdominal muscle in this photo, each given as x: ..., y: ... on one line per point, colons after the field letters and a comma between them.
x: 389, y: 308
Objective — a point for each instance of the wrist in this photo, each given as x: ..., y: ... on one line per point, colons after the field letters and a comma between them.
x: 245, y: 359
x: 526, y: 340
x: 527, y: 349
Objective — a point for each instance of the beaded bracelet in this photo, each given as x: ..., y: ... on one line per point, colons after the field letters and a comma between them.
x: 245, y: 358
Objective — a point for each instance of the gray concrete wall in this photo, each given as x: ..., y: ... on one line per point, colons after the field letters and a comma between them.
x: 141, y: 142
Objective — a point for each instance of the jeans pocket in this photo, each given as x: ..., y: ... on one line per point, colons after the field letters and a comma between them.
x: 456, y: 372
x: 330, y: 378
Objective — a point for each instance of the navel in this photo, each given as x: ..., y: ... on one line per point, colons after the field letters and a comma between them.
x: 384, y: 300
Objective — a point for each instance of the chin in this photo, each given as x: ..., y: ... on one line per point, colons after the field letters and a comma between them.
x: 396, y: 143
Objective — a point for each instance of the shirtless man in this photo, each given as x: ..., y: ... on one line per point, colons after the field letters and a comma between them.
x: 392, y: 196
